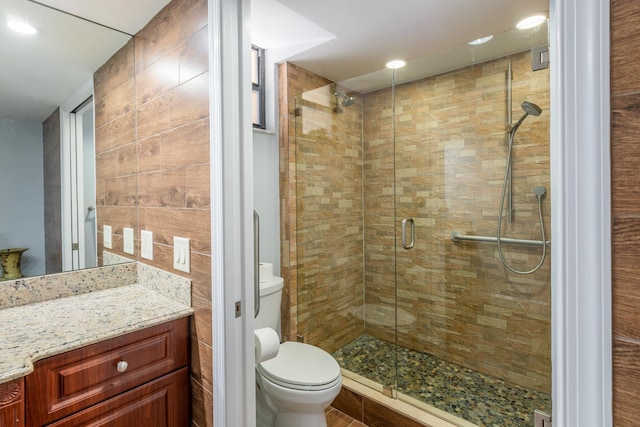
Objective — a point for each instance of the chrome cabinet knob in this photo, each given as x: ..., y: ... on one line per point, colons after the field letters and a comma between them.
x: 122, y: 366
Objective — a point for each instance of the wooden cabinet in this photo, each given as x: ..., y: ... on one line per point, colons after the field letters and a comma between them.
x: 12, y: 404
x: 160, y: 403
x: 137, y: 379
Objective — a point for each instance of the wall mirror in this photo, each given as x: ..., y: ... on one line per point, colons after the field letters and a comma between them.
x: 47, y: 190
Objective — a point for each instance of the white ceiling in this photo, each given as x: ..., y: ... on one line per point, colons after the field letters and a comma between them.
x: 338, y: 39
x: 368, y: 33
x: 362, y: 35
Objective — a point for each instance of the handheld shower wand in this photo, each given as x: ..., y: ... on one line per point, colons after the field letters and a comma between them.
x: 529, y: 109
x: 539, y: 192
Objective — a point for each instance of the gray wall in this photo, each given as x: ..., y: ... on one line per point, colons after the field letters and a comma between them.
x: 22, y: 192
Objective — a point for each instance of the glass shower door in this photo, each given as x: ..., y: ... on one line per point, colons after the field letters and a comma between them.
x: 328, y: 218
x: 473, y: 338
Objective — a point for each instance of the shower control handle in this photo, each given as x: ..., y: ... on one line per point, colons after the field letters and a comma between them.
x: 409, y: 245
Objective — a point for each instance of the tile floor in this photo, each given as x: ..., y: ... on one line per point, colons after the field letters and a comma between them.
x: 475, y: 397
x: 336, y: 418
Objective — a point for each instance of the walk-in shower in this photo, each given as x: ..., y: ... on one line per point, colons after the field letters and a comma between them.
x: 440, y: 324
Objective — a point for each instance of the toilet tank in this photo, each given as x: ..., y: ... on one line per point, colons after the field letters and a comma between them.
x: 270, y: 297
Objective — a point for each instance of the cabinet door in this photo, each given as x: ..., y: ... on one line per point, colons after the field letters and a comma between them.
x: 160, y: 403
x: 12, y: 415
x: 12, y: 403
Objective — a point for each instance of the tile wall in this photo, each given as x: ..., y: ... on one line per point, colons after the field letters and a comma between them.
x: 152, y: 158
x: 625, y: 161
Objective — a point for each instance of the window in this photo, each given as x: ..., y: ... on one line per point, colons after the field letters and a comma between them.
x: 257, y: 85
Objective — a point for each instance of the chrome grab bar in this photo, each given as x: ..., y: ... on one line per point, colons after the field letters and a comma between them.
x: 404, y: 233
x: 457, y: 237
x: 256, y: 263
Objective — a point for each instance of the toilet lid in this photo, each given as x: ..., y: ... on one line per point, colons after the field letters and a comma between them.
x: 301, y: 366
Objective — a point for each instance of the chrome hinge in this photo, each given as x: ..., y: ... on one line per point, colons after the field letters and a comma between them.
x: 75, y: 246
x: 541, y: 419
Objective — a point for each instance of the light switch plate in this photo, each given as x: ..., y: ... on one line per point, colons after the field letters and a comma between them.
x: 181, y: 254
x: 106, y: 236
x: 146, y: 244
x: 128, y: 240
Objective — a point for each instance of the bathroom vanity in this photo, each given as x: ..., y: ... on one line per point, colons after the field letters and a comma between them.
x: 116, y: 355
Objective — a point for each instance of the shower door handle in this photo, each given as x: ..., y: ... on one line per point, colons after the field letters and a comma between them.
x: 409, y: 245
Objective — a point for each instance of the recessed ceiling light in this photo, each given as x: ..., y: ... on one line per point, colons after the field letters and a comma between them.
x: 396, y: 63
x: 21, y: 27
x: 531, y: 21
x: 481, y: 40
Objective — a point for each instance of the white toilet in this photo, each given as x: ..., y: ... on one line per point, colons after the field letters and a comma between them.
x: 294, y: 388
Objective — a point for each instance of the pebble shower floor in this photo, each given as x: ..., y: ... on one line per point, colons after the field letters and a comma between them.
x: 475, y: 397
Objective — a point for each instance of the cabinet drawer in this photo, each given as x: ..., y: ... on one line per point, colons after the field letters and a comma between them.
x: 72, y: 381
x: 160, y: 403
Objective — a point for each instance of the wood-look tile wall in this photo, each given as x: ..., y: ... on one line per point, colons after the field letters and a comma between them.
x: 152, y: 157
x: 625, y: 162
x: 455, y: 300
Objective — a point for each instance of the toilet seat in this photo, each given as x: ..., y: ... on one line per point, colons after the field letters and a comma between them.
x: 301, y: 366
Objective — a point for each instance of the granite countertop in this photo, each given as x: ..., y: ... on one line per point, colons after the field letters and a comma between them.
x: 34, y: 331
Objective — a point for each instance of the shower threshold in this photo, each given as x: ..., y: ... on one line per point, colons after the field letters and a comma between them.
x: 477, y: 398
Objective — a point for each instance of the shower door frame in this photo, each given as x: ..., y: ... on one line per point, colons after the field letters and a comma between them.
x: 581, y: 216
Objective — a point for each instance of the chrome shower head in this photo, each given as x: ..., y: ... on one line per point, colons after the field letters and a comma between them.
x: 346, y: 99
x: 531, y: 108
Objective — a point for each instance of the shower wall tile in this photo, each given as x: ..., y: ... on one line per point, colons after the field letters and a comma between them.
x: 152, y: 154
x: 625, y: 143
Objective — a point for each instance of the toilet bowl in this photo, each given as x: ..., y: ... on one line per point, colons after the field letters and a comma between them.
x: 295, y: 387
x: 299, y: 384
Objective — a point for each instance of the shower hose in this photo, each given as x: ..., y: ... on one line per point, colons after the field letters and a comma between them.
x: 539, y: 197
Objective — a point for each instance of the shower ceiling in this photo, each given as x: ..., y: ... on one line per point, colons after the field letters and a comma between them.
x: 364, y: 34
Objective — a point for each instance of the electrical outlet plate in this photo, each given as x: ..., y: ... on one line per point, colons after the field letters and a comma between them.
x: 146, y: 244
x: 106, y: 236
x: 181, y: 254
x: 128, y: 240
